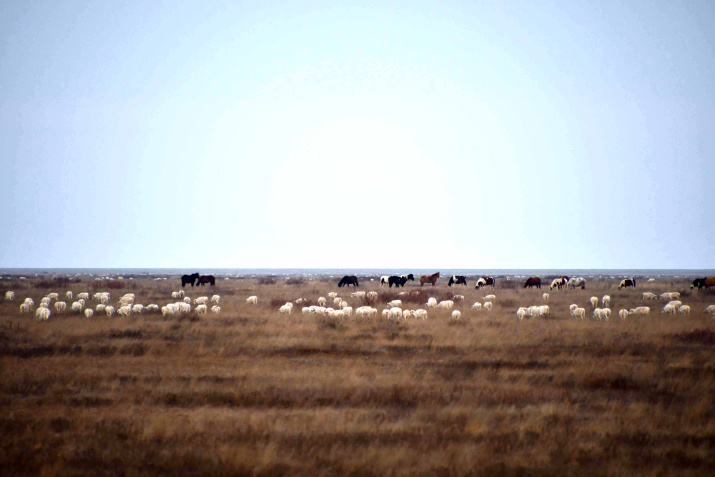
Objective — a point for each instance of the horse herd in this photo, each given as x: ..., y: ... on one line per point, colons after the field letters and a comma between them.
x: 401, y: 280
x: 558, y: 283
x: 199, y: 280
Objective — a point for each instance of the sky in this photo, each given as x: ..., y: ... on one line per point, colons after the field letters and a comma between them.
x: 416, y: 134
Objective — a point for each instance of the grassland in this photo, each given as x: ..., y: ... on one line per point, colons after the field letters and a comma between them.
x: 252, y: 392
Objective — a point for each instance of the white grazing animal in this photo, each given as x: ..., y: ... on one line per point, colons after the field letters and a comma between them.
x: 153, y: 308
x: 649, y: 296
x: 580, y: 313
x: 641, y: 310
x: 432, y: 302
x: 709, y: 309
x: 394, y: 312
x: 337, y: 314
x: 285, y: 310
x: 675, y: 303
x: 100, y: 308
x: 348, y: 311
x: 42, y: 313
x: 488, y: 305
x: 53, y: 296
x: 372, y: 296
x: 216, y: 298
x: 477, y: 306
x: 60, y: 306
x: 9, y: 295
x: 456, y: 314
x: 125, y: 310
x: 83, y: 296
x: 216, y: 309
x: 623, y: 313
x: 30, y: 302
x: 187, y: 300
x: 521, y: 313
x: 109, y: 310
x: 606, y: 313
x: 684, y: 309
x: 546, y: 296
x: 668, y: 309
x: 200, y: 310
x: 175, y: 295
x: 420, y: 313
x: 458, y: 298
x: 446, y: 304
x: 25, y: 308
x: 606, y: 301
x: 322, y: 301
x: 202, y: 300
x: 332, y: 295
x: 572, y: 308
x: 137, y: 308
x: 252, y: 300
x: 88, y: 312
x: 598, y: 313
x: 490, y: 297
x: 76, y: 307
x: 594, y: 301
x: 395, y: 303
x: 69, y: 295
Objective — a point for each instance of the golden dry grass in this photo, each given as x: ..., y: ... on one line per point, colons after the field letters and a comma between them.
x: 257, y: 393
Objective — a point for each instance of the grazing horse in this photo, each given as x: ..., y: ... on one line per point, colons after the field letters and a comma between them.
x: 533, y: 282
x: 628, y: 282
x: 485, y: 282
x: 457, y: 280
x: 559, y: 283
x: 432, y: 279
x: 397, y: 281
x: 203, y: 280
x: 189, y: 279
x: 348, y: 280
x: 577, y: 282
x: 706, y: 282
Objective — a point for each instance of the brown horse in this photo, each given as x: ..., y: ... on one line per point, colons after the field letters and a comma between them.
x: 432, y: 279
x: 533, y: 282
x: 204, y: 279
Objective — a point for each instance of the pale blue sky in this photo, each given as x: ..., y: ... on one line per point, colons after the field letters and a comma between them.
x: 357, y: 134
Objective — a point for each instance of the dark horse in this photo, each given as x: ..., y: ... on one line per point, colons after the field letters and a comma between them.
x: 397, y: 281
x: 432, y: 279
x: 189, y: 279
x: 348, y: 280
x: 485, y: 282
x: 533, y: 282
x: 207, y: 279
x: 706, y: 282
x: 457, y: 280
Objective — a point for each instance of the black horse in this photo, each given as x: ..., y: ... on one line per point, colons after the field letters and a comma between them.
x: 706, y: 282
x: 204, y: 279
x: 348, y: 280
x: 457, y: 280
x: 397, y: 281
x: 189, y: 279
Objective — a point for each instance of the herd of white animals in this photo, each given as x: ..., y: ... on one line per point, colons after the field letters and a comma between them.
x: 340, y: 307
x: 125, y: 305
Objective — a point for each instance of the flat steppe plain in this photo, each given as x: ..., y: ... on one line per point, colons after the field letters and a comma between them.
x: 254, y: 392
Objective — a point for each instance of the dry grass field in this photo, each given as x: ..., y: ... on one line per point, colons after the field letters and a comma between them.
x: 253, y: 392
